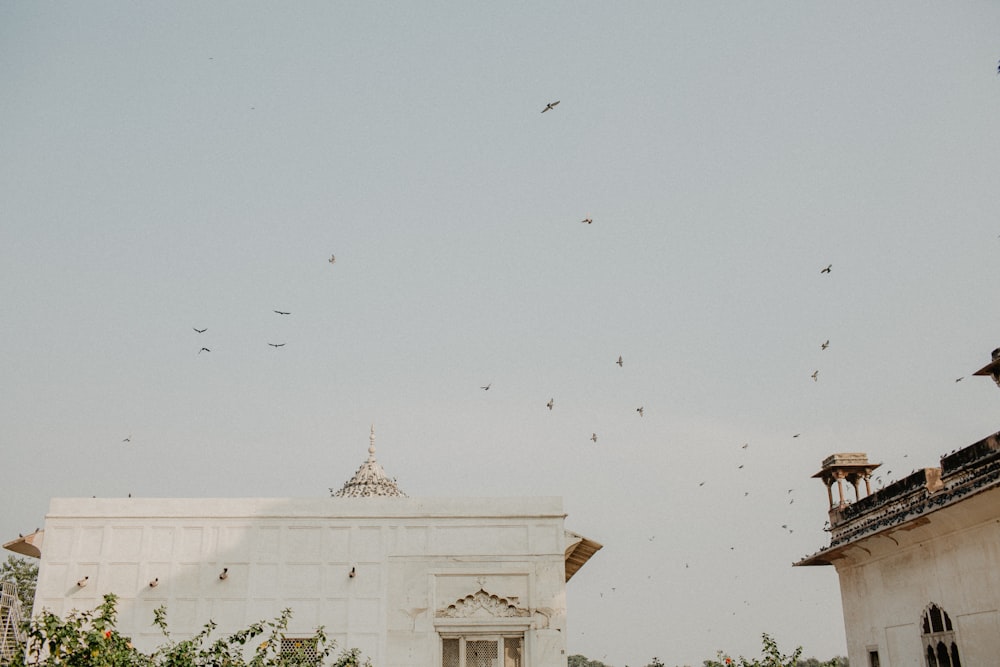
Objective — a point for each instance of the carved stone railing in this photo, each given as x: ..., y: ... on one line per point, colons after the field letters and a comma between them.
x: 910, y: 497
x: 895, y: 493
x: 986, y: 447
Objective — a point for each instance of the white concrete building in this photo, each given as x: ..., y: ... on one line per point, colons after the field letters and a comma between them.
x: 409, y: 581
x: 918, y: 560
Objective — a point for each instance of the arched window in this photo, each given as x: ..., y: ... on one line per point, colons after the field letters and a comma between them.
x: 938, y: 637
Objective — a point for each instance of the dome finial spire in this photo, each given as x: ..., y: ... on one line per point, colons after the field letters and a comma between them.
x: 370, y: 479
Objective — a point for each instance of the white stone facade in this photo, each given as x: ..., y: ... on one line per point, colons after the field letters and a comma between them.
x: 950, y: 561
x: 394, y: 577
x: 919, y: 565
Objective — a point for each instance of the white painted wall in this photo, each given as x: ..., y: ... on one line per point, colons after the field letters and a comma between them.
x: 950, y: 557
x: 412, y: 557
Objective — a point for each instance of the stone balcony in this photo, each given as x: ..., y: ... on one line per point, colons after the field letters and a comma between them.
x: 962, y: 472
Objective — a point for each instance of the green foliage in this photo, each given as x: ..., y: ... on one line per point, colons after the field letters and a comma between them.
x: 581, y: 661
x: 24, y: 574
x: 84, y: 639
x: 351, y: 658
x: 770, y: 657
x: 838, y: 661
x: 90, y: 639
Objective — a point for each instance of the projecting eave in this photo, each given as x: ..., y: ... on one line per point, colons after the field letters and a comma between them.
x: 828, y: 555
x: 824, y: 557
x: 990, y: 368
x: 578, y: 551
x: 27, y: 545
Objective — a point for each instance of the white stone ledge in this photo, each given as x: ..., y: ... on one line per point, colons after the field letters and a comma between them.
x: 385, y: 509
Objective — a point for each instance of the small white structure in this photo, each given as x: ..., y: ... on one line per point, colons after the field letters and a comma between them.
x: 409, y: 581
x: 918, y: 560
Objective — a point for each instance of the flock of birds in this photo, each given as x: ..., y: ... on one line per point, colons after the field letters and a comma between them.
x: 550, y: 404
x: 552, y: 401
x: 275, y: 345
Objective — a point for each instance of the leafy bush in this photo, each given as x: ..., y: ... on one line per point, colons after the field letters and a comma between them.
x: 23, y: 573
x: 90, y: 639
x: 770, y: 657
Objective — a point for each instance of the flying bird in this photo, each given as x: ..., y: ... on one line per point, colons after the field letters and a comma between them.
x: 827, y: 269
x: 551, y: 402
x: 588, y: 221
x: 815, y: 376
x: 796, y: 435
x: 550, y: 106
x: 745, y: 445
x: 128, y: 439
x: 639, y: 410
x: 593, y: 436
x: 959, y: 379
x: 276, y: 344
x: 224, y: 574
x: 619, y: 362
x: 825, y: 345
x: 333, y: 258
x: 200, y: 330
x: 204, y: 349
x: 282, y: 312
x: 487, y: 387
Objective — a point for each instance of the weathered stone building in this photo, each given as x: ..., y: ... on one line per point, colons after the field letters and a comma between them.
x: 918, y: 560
x: 409, y: 581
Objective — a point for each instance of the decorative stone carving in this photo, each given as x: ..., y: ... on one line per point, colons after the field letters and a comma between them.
x: 370, y: 480
x: 483, y: 605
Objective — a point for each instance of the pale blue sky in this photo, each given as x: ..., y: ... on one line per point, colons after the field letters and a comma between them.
x: 177, y: 165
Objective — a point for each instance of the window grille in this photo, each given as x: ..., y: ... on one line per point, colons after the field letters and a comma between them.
x: 512, y: 651
x: 938, y: 637
x: 299, y: 652
x: 483, y: 651
x: 450, y: 653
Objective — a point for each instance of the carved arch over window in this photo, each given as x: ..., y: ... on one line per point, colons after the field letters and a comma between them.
x: 483, y: 604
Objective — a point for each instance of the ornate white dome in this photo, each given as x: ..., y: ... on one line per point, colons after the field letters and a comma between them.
x: 370, y: 480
